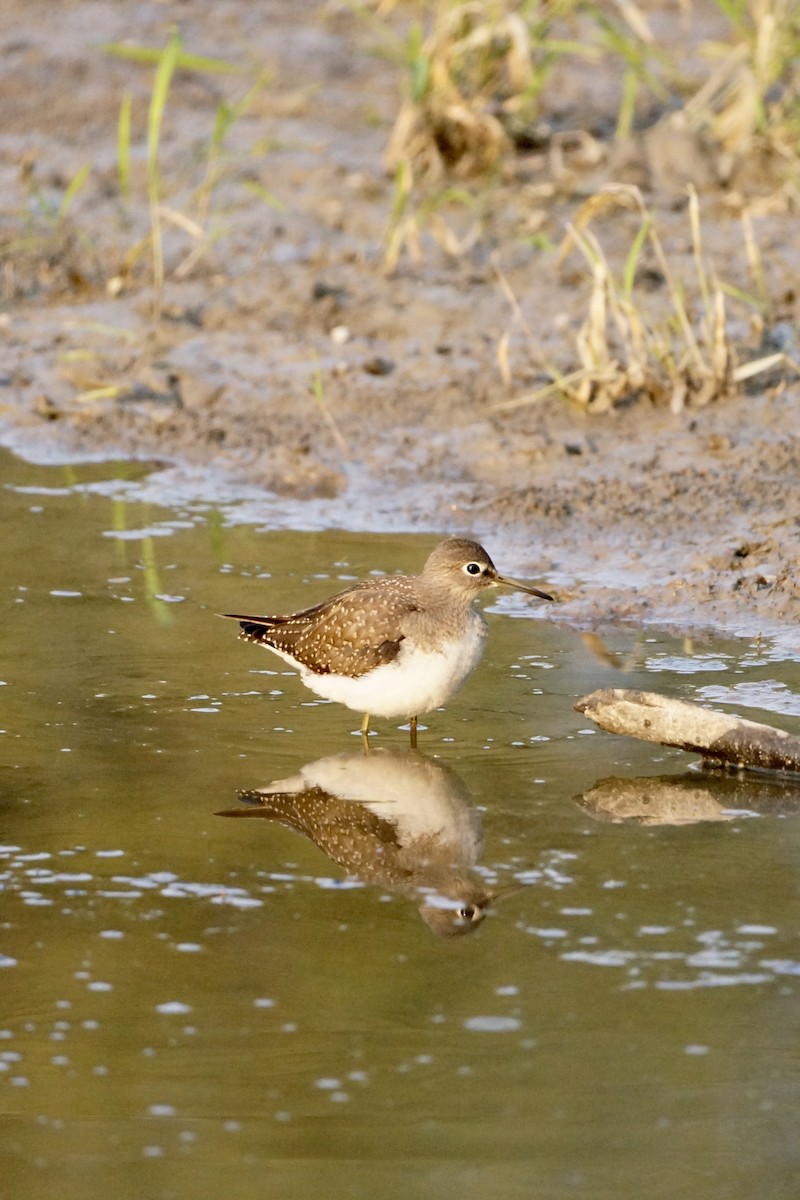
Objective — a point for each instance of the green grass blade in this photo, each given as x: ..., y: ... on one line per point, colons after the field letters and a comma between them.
x: 223, y: 119
x: 743, y: 297
x: 124, y: 146
x: 402, y: 191
x: 185, y: 62
x: 268, y: 197
x: 734, y: 10
x: 158, y: 101
x: 73, y: 187
x: 167, y: 64
x: 242, y: 106
x: 627, y: 106
x: 632, y: 257
x: 418, y: 64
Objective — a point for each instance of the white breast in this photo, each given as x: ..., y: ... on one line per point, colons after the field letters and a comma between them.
x: 416, y: 682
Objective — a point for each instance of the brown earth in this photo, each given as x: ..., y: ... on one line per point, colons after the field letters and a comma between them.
x: 690, y: 519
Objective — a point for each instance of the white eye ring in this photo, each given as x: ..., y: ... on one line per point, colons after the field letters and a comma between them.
x: 473, y: 568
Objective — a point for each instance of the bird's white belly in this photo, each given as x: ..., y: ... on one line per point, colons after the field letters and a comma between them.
x: 416, y: 682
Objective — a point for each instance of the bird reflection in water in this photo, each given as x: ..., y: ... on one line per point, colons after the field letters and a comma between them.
x: 394, y: 819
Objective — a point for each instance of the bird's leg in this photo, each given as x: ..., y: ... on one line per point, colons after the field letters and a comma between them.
x: 365, y: 732
x: 412, y: 729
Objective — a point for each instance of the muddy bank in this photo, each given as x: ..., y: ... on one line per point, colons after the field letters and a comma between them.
x: 283, y: 361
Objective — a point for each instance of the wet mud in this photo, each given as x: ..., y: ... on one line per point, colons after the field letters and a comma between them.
x: 284, y: 361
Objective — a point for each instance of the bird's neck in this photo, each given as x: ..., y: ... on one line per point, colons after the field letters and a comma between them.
x: 433, y: 599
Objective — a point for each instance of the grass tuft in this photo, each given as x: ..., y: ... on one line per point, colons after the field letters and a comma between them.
x: 681, y: 356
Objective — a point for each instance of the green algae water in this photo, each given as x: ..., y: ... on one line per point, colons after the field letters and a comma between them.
x: 199, y: 1005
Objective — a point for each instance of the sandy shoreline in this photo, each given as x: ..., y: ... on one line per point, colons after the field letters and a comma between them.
x: 687, y: 520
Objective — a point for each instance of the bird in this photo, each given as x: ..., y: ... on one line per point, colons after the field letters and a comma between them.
x: 393, y: 819
x: 395, y: 645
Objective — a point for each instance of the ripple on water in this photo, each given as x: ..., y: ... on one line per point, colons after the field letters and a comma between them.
x: 491, y: 1023
x: 692, y: 664
x: 769, y: 694
x: 720, y: 961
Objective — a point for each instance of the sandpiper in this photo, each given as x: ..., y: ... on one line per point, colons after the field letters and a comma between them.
x: 393, y: 819
x: 393, y: 646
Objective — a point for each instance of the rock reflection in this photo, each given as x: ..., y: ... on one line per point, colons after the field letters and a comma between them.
x: 690, y: 798
x: 392, y: 818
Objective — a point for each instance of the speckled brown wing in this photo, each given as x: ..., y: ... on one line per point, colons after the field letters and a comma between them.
x: 348, y: 832
x: 355, y: 631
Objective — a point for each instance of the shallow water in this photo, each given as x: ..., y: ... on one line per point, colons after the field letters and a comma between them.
x: 199, y: 1004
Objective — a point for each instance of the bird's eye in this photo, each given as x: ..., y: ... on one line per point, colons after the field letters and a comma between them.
x: 473, y: 568
x: 468, y: 912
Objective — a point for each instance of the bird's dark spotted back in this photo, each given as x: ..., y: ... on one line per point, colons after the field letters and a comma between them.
x: 352, y: 633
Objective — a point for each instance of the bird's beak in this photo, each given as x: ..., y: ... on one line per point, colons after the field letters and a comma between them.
x: 523, y: 587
